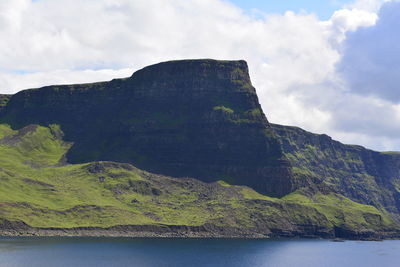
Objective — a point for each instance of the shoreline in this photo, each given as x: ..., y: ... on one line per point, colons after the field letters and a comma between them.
x: 20, y: 229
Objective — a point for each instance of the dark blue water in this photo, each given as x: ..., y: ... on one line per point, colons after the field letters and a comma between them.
x: 194, y: 252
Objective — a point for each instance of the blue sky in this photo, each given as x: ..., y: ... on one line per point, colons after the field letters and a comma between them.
x: 323, y: 8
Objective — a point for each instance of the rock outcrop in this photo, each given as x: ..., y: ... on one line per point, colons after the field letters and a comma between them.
x: 190, y: 118
x: 363, y: 175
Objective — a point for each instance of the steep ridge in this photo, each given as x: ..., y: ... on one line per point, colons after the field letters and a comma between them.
x: 358, y: 173
x: 190, y: 118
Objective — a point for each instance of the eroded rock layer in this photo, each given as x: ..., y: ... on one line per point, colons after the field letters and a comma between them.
x: 191, y: 118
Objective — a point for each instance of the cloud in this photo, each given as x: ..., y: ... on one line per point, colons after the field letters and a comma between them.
x: 371, y: 60
x: 292, y: 57
x: 49, y: 35
x: 345, y: 20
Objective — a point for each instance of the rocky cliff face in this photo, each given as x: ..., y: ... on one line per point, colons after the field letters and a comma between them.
x: 324, y: 164
x: 195, y: 118
x: 202, y: 119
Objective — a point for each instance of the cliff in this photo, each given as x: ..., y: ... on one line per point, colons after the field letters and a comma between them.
x: 192, y: 118
x: 115, y: 157
x: 361, y: 174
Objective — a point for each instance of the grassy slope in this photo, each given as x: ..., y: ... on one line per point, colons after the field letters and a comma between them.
x: 37, y: 189
x: 361, y: 174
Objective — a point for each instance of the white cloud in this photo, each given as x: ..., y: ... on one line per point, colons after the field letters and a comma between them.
x: 370, y: 61
x: 345, y: 20
x: 292, y: 57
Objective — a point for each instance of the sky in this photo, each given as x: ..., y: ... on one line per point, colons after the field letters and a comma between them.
x: 329, y: 67
x: 322, y: 8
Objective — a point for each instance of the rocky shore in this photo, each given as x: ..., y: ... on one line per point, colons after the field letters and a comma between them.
x: 15, y: 229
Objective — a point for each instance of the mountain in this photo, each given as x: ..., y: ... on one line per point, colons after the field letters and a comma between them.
x: 193, y: 118
x: 113, y: 158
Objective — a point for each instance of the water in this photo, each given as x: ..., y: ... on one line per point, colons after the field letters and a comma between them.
x: 194, y: 252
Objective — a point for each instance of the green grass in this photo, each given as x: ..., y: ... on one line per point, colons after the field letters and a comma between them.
x: 5, y: 130
x: 224, y: 109
x: 350, y: 170
x: 340, y: 210
x: 35, y: 187
x: 249, y: 193
x: 223, y: 183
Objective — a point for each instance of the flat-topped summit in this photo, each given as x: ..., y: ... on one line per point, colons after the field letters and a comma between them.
x: 189, y: 118
x: 197, y: 74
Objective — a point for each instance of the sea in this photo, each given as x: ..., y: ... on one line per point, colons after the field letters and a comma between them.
x: 158, y: 252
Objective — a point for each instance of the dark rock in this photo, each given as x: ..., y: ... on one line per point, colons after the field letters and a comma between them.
x: 155, y: 192
x: 101, y: 167
x: 190, y: 118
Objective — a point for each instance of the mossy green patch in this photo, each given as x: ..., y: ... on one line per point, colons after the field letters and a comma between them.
x: 35, y: 144
x: 223, y: 183
x: 5, y: 130
x: 249, y: 193
x: 224, y: 109
x: 340, y: 210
